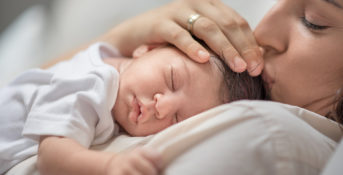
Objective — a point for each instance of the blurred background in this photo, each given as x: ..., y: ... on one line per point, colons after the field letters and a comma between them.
x: 10, y: 9
x: 32, y: 32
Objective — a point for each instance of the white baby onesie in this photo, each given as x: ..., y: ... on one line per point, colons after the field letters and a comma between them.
x: 73, y: 99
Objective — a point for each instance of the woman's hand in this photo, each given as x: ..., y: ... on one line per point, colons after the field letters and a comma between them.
x: 139, y: 161
x: 222, y: 29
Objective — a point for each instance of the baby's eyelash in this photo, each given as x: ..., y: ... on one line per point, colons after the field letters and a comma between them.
x: 312, y: 26
x: 172, y: 78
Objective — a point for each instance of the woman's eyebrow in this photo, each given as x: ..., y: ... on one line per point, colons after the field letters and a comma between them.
x: 333, y: 2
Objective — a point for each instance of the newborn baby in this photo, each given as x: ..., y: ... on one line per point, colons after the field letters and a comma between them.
x: 85, y: 101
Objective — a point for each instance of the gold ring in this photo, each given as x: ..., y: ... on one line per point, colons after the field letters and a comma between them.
x: 191, y: 20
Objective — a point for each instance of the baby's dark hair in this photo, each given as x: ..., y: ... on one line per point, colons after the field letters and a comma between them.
x: 237, y: 86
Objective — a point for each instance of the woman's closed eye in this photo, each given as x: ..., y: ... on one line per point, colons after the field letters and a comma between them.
x: 312, y: 26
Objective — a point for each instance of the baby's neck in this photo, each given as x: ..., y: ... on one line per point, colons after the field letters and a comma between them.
x: 120, y: 63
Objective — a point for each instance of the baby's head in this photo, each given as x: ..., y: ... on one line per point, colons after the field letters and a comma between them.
x: 162, y: 86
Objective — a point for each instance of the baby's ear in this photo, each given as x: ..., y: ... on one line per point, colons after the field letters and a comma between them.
x: 142, y: 49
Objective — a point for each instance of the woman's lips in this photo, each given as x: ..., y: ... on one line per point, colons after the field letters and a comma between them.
x: 268, y: 81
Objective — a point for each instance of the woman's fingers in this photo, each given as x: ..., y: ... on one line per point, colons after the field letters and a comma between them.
x: 208, y: 31
x: 226, y: 33
x: 219, y: 26
x: 244, y: 40
x: 237, y: 31
x: 205, y: 29
x: 182, y: 39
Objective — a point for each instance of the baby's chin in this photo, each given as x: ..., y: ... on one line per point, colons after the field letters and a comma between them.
x: 130, y: 131
x: 140, y: 132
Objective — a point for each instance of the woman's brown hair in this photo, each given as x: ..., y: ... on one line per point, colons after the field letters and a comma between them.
x: 336, y: 113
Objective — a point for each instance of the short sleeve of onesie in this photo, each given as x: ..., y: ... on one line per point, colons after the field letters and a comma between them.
x: 75, y: 98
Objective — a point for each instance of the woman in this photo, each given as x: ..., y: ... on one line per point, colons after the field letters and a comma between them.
x: 300, y: 42
x: 303, y: 63
x: 295, y: 36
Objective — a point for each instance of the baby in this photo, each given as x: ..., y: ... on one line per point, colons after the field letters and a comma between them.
x: 60, y: 112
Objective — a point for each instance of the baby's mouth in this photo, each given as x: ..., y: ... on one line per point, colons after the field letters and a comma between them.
x: 135, y: 110
x: 268, y: 81
x: 139, y: 111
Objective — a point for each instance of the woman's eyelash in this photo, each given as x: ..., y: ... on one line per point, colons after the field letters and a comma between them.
x: 312, y: 26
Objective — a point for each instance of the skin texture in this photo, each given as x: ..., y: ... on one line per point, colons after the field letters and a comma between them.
x: 163, y: 82
x: 303, y: 64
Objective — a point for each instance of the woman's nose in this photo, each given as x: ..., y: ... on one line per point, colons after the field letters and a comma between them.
x: 273, y: 30
x: 165, y: 105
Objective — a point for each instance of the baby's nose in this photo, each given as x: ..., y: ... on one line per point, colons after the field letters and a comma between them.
x: 164, y: 106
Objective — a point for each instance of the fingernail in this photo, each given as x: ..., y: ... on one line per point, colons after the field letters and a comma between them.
x: 239, y: 64
x: 253, y: 71
x: 253, y: 65
x: 203, y: 55
x: 252, y: 56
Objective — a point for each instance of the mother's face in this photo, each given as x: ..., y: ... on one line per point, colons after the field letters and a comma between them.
x: 304, y: 52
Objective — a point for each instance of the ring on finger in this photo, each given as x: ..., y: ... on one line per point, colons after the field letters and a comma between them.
x: 191, y: 20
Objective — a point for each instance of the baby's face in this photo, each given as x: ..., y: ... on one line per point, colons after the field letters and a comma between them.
x: 163, y: 87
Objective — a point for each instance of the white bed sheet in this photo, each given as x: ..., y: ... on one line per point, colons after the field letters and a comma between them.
x: 244, y: 137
